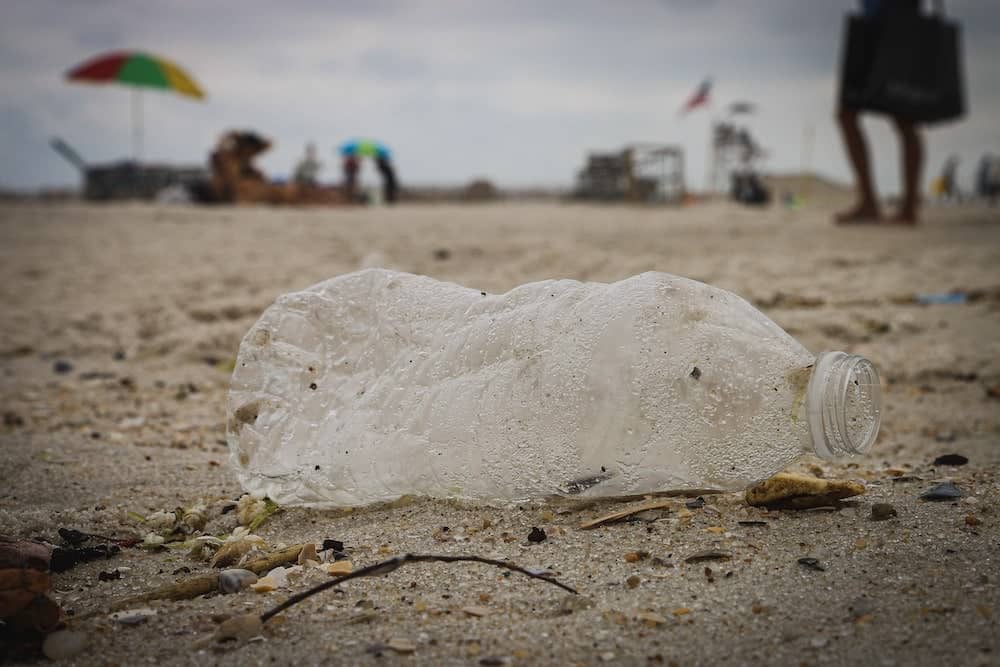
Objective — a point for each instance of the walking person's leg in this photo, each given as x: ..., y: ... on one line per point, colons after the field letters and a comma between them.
x: 867, y: 208
x: 912, y: 147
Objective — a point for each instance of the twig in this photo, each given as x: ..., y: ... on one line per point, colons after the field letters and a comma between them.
x: 392, y: 564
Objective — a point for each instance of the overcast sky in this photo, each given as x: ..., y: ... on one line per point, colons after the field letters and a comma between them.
x: 512, y: 91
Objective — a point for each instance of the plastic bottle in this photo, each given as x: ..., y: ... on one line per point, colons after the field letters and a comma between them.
x: 379, y: 384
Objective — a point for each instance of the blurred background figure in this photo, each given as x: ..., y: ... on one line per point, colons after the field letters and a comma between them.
x: 307, y: 170
x: 946, y: 186
x: 352, y: 152
x: 988, y: 178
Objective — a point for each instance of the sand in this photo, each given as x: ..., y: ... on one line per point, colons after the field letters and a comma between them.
x: 148, y: 305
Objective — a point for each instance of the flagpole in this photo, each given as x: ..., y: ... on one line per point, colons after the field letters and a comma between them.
x: 136, y: 105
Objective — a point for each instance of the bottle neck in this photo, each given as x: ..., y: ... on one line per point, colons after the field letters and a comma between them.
x: 843, y: 405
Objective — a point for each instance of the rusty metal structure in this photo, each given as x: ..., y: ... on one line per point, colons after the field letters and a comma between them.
x: 639, y: 173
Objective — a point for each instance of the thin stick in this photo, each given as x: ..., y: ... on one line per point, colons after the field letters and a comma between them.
x: 392, y: 564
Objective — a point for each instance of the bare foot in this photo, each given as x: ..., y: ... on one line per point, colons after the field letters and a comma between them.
x: 862, y: 214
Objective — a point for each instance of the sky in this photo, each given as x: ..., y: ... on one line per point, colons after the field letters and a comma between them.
x: 516, y: 91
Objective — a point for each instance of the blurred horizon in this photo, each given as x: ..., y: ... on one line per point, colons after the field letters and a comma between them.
x: 513, y: 92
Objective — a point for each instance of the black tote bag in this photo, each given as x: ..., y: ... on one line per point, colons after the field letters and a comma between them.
x: 905, y: 64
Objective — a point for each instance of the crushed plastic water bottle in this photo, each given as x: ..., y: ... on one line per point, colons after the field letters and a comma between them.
x: 379, y: 384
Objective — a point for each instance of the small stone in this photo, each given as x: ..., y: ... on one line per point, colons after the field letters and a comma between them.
x: 62, y: 367
x: 264, y: 585
x: 811, y: 563
x: 636, y: 556
x: 882, y: 511
x: 133, y: 616
x: 239, y: 628
x: 400, y: 645
x: 710, y: 554
x: 63, y: 644
x: 951, y: 460
x: 233, y: 581
x: 340, y: 568
x: 607, y: 656
x: 442, y: 254
x: 307, y: 554
x: 695, y: 503
x: 818, y: 642
x: 494, y: 661
x: 972, y: 520
x: 334, y: 545
x: 650, y: 618
x: 681, y: 611
x: 476, y: 611
x: 537, y: 535
x: 942, y: 491
x: 633, y: 581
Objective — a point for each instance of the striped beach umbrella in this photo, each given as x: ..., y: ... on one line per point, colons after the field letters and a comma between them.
x: 139, y: 70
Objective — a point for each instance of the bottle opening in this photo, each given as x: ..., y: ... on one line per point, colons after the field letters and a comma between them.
x: 843, y: 404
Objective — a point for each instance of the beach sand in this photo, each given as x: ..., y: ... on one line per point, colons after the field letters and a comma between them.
x: 143, y: 308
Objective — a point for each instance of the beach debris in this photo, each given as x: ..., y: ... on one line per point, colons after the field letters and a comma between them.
x: 240, y: 628
x: 633, y: 581
x: 695, y: 503
x: 752, y: 523
x: 636, y: 556
x: 132, y: 616
x: 392, y: 564
x: 475, y: 610
x: 203, y: 584
x: 655, y: 504
x: 882, y: 511
x: 24, y: 554
x: 811, y: 563
x: 64, y: 558
x: 109, y: 576
x: 339, y: 568
x: 796, y: 491
x: 537, y: 535
x: 993, y: 391
x: 651, y: 619
x: 62, y: 367
x: 944, y: 491
x: 401, y: 645
x: 709, y: 554
x: 308, y: 554
x: 252, y: 512
x: 335, y: 545
x: 951, y: 460
x: 264, y: 585
x: 235, y: 580
x: 12, y: 419
x: 441, y: 254
x: 64, y: 644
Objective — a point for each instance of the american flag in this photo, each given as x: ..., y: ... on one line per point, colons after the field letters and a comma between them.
x: 699, y: 98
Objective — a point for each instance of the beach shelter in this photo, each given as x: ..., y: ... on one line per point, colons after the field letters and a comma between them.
x: 138, y: 70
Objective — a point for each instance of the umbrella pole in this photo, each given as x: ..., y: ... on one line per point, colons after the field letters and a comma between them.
x: 136, y: 125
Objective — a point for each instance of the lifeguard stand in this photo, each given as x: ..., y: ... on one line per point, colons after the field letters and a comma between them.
x: 640, y: 172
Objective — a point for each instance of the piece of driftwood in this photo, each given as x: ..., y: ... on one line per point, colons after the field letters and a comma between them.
x: 203, y: 584
x: 788, y: 490
x: 655, y: 504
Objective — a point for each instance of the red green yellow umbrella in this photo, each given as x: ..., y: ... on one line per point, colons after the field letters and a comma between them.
x: 138, y: 69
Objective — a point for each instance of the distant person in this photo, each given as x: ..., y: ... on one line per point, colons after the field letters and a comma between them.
x: 867, y: 210
x: 307, y: 170
x: 351, y: 166
x: 988, y: 178
x: 949, y: 188
x: 390, y: 187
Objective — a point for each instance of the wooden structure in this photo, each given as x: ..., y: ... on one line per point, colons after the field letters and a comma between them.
x: 641, y: 173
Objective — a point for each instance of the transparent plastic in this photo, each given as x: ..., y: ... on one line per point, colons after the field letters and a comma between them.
x: 379, y: 384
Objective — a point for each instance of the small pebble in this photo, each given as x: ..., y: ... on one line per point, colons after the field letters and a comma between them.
x: 696, y: 503
x: 951, y: 460
x: 239, y: 628
x: 537, y: 535
x: 264, y: 585
x: 62, y: 367
x: 811, y: 563
x: 400, y: 645
x: 63, y: 644
x: 233, y: 581
x: 711, y: 554
x: 942, y: 491
x: 882, y: 511
x: 476, y: 611
x: 818, y: 642
x: 632, y: 582
x: 133, y: 616
x: 340, y: 568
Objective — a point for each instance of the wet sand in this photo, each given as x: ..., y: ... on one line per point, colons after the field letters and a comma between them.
x: 143, y: 307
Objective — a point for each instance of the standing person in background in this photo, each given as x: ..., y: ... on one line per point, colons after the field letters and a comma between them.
x: 351, y: 167
x: 867, y: 209
x: 390, y: 187
x: 307, y: 170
